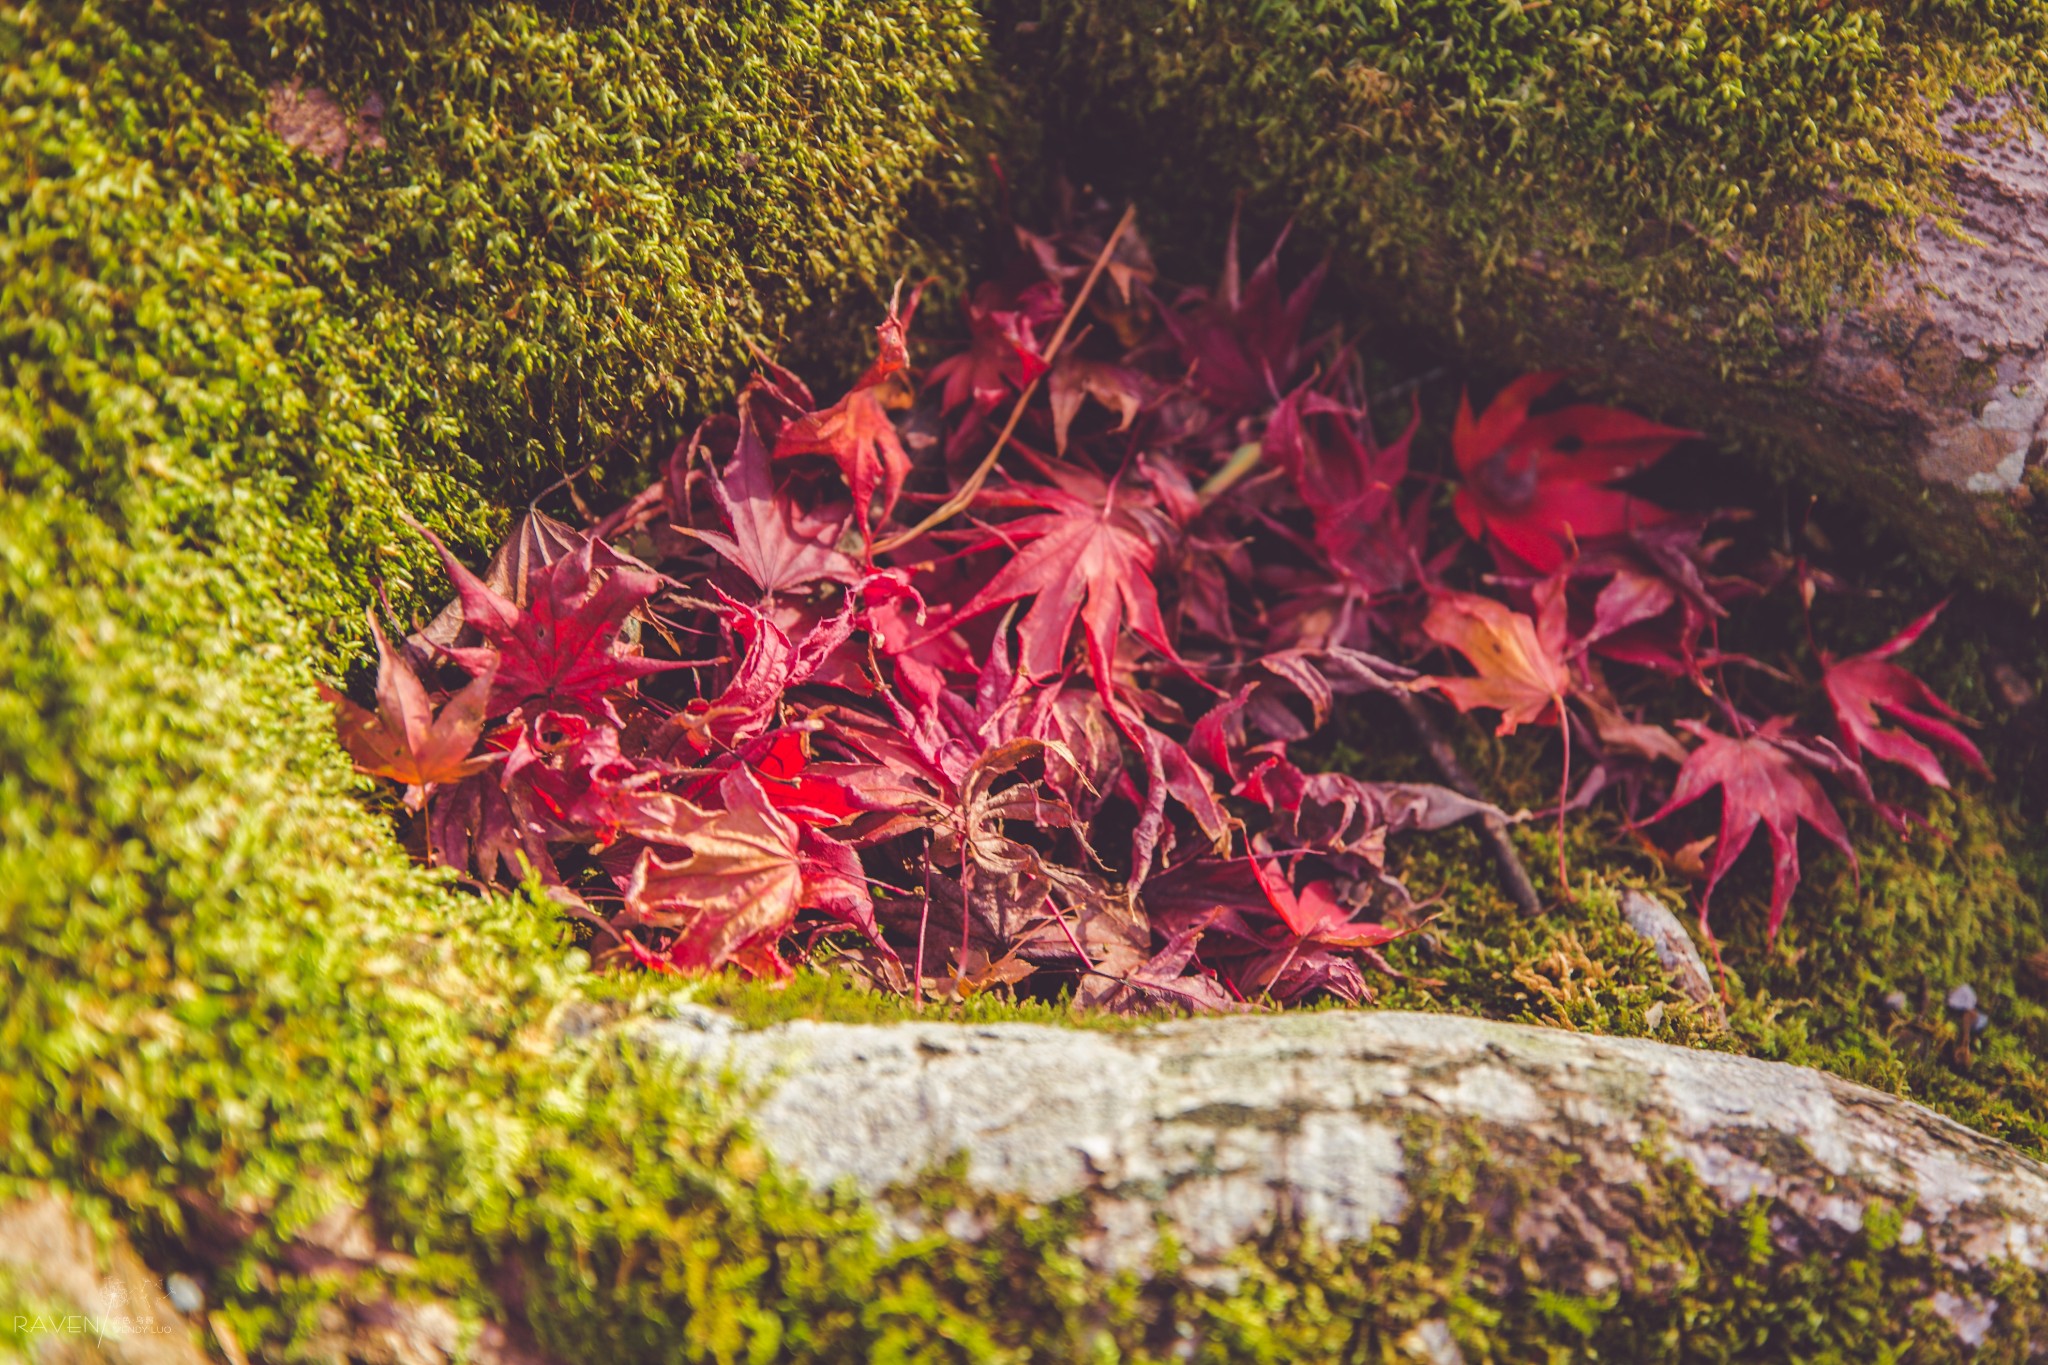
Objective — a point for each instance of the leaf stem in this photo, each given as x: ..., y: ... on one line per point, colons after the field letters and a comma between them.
x: 1564, y: 794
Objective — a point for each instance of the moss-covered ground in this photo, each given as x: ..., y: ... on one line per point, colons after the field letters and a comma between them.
x: 229, y: 1006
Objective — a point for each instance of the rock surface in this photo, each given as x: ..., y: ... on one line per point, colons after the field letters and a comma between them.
x: 66, y: 1298
x: 1652, y: 921
x: 1227, y: 1128
x: 1953, y: 353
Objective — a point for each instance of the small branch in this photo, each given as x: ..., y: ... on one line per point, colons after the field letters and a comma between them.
x: 966, y: 492
x: 1494, y: 828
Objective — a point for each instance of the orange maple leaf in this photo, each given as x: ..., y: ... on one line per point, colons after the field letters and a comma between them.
x: 1519, y: 660
x: 1520, y: 665
x: 403, y: 739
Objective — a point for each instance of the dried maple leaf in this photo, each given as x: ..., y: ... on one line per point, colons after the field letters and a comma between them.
x: 1125, y: 976
x: 310, y: 120
x: 1862, y: 686
x: 561, y: 647
x: 502, y: 833
x: 403, y: 739
x: 1520, y: 662
x: 1761, y: 783
x: 1537, y: 485
x: 1113, y: 386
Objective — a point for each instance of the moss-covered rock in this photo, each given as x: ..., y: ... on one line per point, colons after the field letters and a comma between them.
x: 577, y: 222
x: 232, y: 1007
x: 230, y: 1002
x: 566, y: 230
x: 1677, y: 194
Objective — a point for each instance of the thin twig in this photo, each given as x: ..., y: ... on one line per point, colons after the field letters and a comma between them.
x: 1494, y: 827
x: 1564, y: 796
x: 966, y: 492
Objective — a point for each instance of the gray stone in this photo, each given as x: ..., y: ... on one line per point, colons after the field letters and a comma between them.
x: 1432, y: 1343
x: 70, y: 1297
x: 184, y: 1293
x: 1653, y: 921
x: 1229, y: 1127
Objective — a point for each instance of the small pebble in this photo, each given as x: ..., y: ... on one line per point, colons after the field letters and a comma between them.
x: 1962, y: 998
x: 1653, y: 1017
x: 184, y: 1293
x: 1895, y: 1001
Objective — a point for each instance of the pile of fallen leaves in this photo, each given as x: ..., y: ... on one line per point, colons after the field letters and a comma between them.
x: 1002, y: 671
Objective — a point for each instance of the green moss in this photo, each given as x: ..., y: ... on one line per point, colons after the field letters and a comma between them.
x: 1654, y: 191
x: 1705, y: 1283
x: 582, y: 220
x: 576, y: 228
x: 1720, y: 164
x: 824, y: 992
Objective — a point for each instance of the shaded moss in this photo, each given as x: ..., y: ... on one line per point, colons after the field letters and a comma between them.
x: 1671, y: 194
x: 1723, y: 165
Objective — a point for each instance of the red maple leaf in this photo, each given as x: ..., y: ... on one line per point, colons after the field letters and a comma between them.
x: 774, y: 542
x: 1311, y: 950
x: 1002, y: 353
x: 1242, y: 340
x: 1314, y: 914
x: 562, y: 646
x: 857, y: 432
x: 1862, y: 686
x: 1347, y: 480
x: 730, y: 879
x: 1763, y: 783
x: 403, y: 739
x: 782, y: 763
x: 1086, y: 555
x: 1537, y: 485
